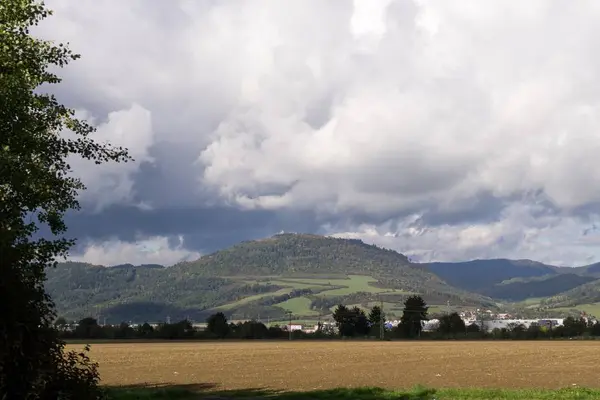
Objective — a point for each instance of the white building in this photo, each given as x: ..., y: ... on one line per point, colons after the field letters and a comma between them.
x: 505, y: 323
x: 293, y: 327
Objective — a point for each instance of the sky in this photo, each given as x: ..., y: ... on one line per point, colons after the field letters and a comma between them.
x: 447, y: 131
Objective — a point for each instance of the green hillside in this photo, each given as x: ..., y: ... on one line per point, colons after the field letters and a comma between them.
x: 306, y: 274
x: 588, y: 293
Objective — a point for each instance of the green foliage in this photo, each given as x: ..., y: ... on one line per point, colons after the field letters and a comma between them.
x: 584, y: 294
x: 76, y: 377
x: 452, y: 325
x: 351, y: 321
x: 413, y: 315
x: 376, y: 315
x: 88, y: 328
x: 217, y: 325
x: 142, y: 293
x: 299, y: 254
x: 37, y: 189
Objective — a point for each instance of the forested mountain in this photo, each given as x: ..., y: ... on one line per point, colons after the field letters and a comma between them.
x: 520, y: 289
x: 477, y: 275
x: 302, y: 253
x: 305, y: 273
x: 252, y: 278
x: 513, y: 280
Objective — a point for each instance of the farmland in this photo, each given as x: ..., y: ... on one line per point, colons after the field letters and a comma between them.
x: 325, y: 287
x: 304, y: 365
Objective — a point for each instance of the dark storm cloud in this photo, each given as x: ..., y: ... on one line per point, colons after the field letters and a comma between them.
x: 204, y: 229
x: 484, y: 208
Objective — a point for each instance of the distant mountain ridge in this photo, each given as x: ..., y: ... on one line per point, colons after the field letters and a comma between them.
x: 514, y: 280
x: 259, y: 277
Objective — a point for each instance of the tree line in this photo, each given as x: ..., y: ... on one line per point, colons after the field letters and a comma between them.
x: 218, y: 328
x: 350, y: 322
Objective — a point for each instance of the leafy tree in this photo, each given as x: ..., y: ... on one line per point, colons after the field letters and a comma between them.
x: 517, y: 331
x: 145, y: 330
x: 124, y: 331
x: 376, y: 315
x: 533, y: 331
x: 217, y: 325
x: 251, y: 330
x: 452, y: 325
x: 179, y: 330
x: 88, y: 328
x: 595, y: 329
x: 413, y: 315
x: 473, y: 328
x: 37, y: 189
x: 343, y: 320
x: 351, y: 322
x: 275, y: 332
x: 574, y: 326
x: 360, y: 322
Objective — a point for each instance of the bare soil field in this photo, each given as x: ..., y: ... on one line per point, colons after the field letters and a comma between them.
x: 308, y: 365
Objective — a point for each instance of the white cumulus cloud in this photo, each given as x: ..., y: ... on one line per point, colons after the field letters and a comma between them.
x: 368, y: 110
x: 147, y: 250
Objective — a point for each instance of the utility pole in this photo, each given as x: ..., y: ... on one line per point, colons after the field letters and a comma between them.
x: 290, y: 325
x: 482, y: 316
x: 381, y: 322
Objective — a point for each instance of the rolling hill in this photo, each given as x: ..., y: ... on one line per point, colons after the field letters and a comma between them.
x: 308, y: 273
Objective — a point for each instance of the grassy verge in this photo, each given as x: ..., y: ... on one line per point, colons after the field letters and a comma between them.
x: 186, y: 393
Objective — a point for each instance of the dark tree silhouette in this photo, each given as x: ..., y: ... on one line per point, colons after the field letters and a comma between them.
x: 413, y: 315
x: 37, y: 188
x: 217, y: 325
x: 452, y: 325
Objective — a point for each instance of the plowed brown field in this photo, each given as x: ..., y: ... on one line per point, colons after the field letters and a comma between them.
x: 304, y: 365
